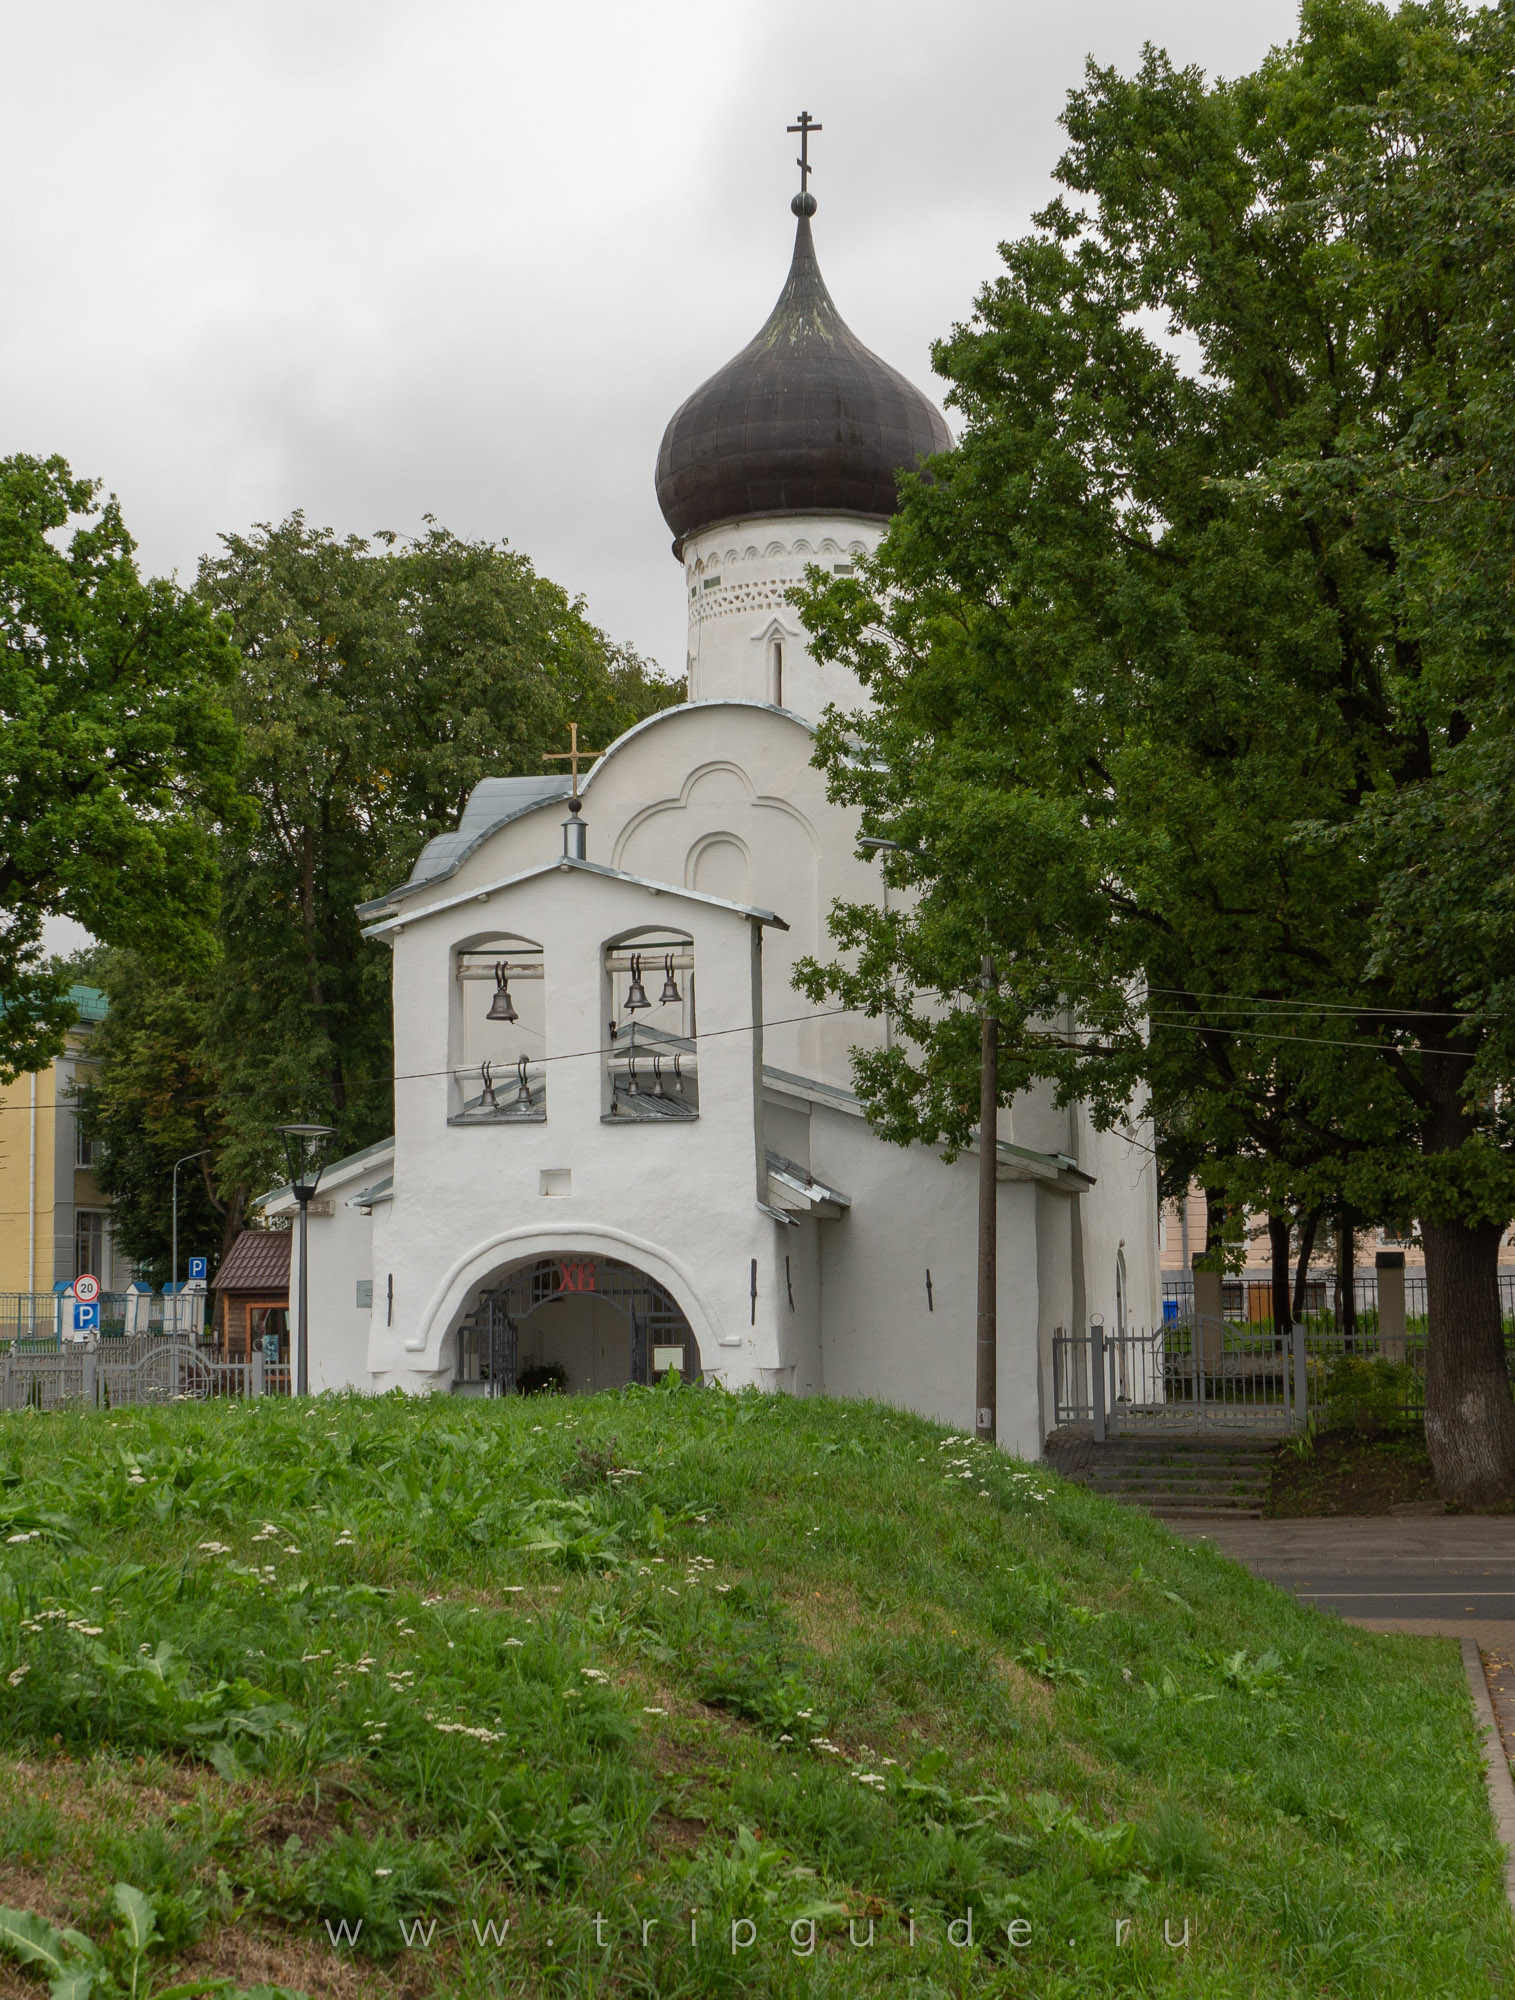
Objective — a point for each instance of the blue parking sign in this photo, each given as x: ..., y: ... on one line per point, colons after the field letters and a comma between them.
x: 196, y: 1269
x: 86, y: 1318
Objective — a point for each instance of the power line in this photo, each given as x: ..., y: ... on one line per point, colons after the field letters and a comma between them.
x: 1315, y: 1006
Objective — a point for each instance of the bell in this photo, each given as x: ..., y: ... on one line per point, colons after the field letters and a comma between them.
x: 678, y: 1078
x: 633, y: 1088
x: 488, y: 1102
x: 523, y: 1088
x: 637, y: 996
x: 657, y: 1077
x: 501, y: 1007
x: 670, y: 992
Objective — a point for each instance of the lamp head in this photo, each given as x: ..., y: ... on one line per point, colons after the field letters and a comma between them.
x: 304, y: 1153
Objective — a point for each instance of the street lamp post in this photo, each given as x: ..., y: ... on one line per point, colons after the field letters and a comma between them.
x: 174, y: 1285
x: 986, y: 1424
x: 303, y: 1147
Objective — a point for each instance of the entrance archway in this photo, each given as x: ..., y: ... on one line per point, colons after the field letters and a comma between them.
x: 587, y: 1323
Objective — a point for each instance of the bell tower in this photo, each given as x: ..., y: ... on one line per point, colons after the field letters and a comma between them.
x: 785, y: 458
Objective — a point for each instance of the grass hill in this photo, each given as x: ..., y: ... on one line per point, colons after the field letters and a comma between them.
x: 726, y: 1674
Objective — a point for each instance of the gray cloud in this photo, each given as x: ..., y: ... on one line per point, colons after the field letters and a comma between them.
x: 378, y: 260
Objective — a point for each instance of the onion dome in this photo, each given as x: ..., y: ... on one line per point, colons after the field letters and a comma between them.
x: 805, y: 420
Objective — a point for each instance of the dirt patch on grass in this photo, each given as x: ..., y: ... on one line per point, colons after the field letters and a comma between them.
x: 826, y: 1617
x: 252, y: 1957
x: 40, y: 1890
x: 1352, y: 1473
x: 1024, y: 1688
x: 674, y: 1833
x: 82, y: 1792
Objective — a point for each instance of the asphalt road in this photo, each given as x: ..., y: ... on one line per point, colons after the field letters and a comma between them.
x: 1442, y: 1593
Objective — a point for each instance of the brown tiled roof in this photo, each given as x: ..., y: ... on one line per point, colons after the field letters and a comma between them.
x: 257, y: 1262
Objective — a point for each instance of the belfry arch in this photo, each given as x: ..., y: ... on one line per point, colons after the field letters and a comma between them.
x: 583, y: 1322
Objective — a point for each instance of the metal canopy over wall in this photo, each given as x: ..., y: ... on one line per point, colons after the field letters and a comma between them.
x: 488, y: 1341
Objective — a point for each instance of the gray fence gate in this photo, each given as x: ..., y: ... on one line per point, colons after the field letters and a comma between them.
x: 138, y: 1368
x: 1212, y: 1375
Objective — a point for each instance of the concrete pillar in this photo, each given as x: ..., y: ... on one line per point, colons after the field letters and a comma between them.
x: 1390, y: 1265
x: 1209, y: 1343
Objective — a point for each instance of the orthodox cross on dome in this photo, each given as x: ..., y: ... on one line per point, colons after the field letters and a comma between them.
x: 571, y: 756
x: 806, y: 126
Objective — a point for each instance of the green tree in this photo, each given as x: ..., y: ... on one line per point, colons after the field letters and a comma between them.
x: 379, y: 684
x: 117, y: 749
x: 153, y: 1097
x: 1192, y: 667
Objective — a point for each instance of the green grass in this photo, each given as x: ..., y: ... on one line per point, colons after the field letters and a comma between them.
x: 280, y: 1667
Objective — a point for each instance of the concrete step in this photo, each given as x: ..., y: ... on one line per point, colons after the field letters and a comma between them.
x: 1180, y: 1489
x: 1223, y: 1478
x: 1178, y: 1468
x: 1222, y: 1475
x: 1207, y: 1513
x: 1179, y: 1457
x: 1192, y: 1469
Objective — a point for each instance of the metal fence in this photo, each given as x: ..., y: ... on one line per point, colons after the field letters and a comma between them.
x: 50, y: 1315
x: 1222, y: 1374
x: 130, y: 1369
x: 1250, y: 1297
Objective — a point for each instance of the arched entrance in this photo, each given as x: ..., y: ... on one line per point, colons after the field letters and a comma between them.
x: 584, y: 1323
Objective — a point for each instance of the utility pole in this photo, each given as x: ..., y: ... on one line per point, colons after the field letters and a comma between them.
x: 174, y: 1284
x: 986, y: 1397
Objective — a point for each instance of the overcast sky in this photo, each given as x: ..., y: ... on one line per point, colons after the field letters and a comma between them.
x: 377, y: 259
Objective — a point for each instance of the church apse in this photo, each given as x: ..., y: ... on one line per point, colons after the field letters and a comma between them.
x: 498, y: 1072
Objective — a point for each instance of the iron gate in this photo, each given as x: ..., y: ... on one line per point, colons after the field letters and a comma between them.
x: 489, y: 1335
x: 1213, y: 1375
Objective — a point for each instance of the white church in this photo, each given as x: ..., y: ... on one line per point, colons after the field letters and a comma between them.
x: 623, y: 1142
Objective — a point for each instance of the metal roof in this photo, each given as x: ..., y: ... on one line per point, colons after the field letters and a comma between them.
x: 257, y: 1262
x: 492, y: 803
x: 570, y: 864
x: 805, y: 420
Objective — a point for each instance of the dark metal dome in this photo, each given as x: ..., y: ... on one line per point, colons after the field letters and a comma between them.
x: 805, y: 420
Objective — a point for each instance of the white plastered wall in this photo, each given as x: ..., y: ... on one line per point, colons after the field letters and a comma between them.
x: 676, y: 1200
x: 737, y: 576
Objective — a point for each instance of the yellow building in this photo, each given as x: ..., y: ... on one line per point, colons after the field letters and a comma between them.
x: 54, y: 1221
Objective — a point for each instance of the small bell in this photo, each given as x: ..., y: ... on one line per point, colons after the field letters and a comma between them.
x: 488, y: 1102
x: 670, y: 993
x: 633, y: 1088
x: 657, y: 1077
x: 678, y: 1078
x: 637, y: 996
x: 501, y: 1007
x: 523, y: 1088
